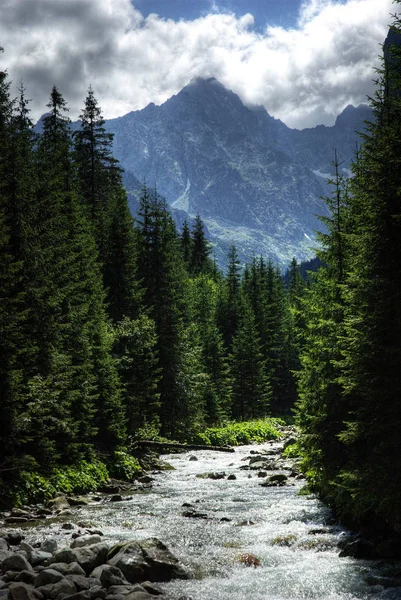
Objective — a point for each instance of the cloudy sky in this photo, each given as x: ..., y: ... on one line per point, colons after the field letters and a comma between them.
x: 304, y: 60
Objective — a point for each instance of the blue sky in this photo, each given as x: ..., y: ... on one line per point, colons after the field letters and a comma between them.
x: 303, y: 60
x: 283, y: 13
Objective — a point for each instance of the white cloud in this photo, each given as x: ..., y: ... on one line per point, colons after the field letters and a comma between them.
x: 303, y: 76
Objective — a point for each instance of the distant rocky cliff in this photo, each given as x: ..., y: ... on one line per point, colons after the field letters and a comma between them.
x: 254, y: 181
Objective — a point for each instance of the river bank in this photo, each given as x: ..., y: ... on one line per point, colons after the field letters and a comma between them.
x: 211, y: 512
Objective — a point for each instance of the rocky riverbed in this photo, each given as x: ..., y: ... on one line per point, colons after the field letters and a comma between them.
x: 217, y: 527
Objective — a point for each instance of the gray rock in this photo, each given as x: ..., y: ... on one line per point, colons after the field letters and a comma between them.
x: 259, y: 464
x: 193, y: 457
x: 16, y: 520
x: 116, y: 498
x: 82, y: 595
x: 21, y: 591
x: 360, y: 548
x: 130, y: 560
x: 139, y: 596
x: 164, y: 566
x: 90, y: 557
x: 194, y: 514
x: 83, y: 583
x: 48, y: 576
x: 85, y: 540
x: 66, y: 555
x: 275, y: 480
x: 220, y: 475
x: 58, y: 503
x: 68, y: 568
x: 231, y: 477
x: 3, y: 584
x: 97, y: 593
x: 37, y: 557
x: 26, y: 576
x: 61, y: 587
x: 49, y: 546
x: 3, y: 544
x: 15, y: 562
x: 109, y: 575
x: 153, y: 589
x: 68, y: 526
x: 14, y: 538
x: 78, y: 501
x: 4, y: 554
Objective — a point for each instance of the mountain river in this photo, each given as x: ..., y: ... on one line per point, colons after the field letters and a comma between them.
x: 292, y: 535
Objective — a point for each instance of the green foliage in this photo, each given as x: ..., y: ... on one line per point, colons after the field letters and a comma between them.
x: 235, y: 434
x: 82, y: 478
x: 124, y: 466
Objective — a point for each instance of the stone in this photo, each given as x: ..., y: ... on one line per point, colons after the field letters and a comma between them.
x: 116, y: 498
x: 14, y: 538
x: 16, y: 520
x: 109, y: 489
x: 164, y: 566
x: 83, y: 583
x: 68, y: 568
x: 85, y: 540
x: 231, y: 477
x: 194, y: 514
x: 89, y: 557
x: 97, y: 594
x: 67, y: 526
x: 139, y: 596
x: 262, y: 474
x: 48, y: 576
x: 109, y: 575
x: 3, y: 544
x: 49, y: 546
x: 193, y: 457
x: 275, y: 480
x: 58, y: 503
x: 78, y: 501
x: 37, y: 557
x: 15, y: 562
x: 152, y: 588
x: 81, y: 595
x: 129, y: 558
x: 19, y: 512
x: 65, y: 555
x: 145, y: 479
x: 26, y: 576
x: 360, y: 548
x: 220, y: 475
x: 21, y: 591
x: 62, y: 587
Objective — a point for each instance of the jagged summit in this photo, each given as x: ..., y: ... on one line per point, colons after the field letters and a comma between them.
x: 253, y: 180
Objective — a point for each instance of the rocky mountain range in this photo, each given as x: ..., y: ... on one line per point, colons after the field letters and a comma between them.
x: 254, y: 181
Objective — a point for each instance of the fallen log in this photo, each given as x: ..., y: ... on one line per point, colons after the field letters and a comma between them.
x: 176, y: 446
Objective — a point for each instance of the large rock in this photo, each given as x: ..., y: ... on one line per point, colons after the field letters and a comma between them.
x: 85, y: 540
x: 66, y: 555
x: 130, y: 560
x: 15, y: 562
x: 90, y: 557
x: 360, y: 548
x: 164, y: 566
x: 68, y: 568
x: 109, y: 575
x: 59, y: 503
x: 48, y: 576
x: 21, y: 591
x: 52, y: 591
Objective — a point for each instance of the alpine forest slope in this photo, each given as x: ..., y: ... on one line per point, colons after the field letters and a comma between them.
x: 254, y: 181
x: 114, y: 330
x: 350, y: 379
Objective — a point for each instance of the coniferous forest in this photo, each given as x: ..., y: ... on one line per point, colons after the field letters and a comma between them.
x: 115, y: 329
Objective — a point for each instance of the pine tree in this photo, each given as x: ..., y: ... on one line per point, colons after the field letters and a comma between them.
x: 162, y: 271
x: 200, y: 248
x: 251, y: 391
x: 373, y: 294
x: 229, y: 298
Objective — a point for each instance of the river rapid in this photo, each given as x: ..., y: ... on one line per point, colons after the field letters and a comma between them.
x: 293, y: 536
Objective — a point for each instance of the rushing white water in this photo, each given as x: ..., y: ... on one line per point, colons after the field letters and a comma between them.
x: 276, y: 525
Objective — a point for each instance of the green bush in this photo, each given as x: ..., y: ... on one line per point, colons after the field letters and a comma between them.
x: 124, y: 466
x: 34, y: 487
x: 235, y: 434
